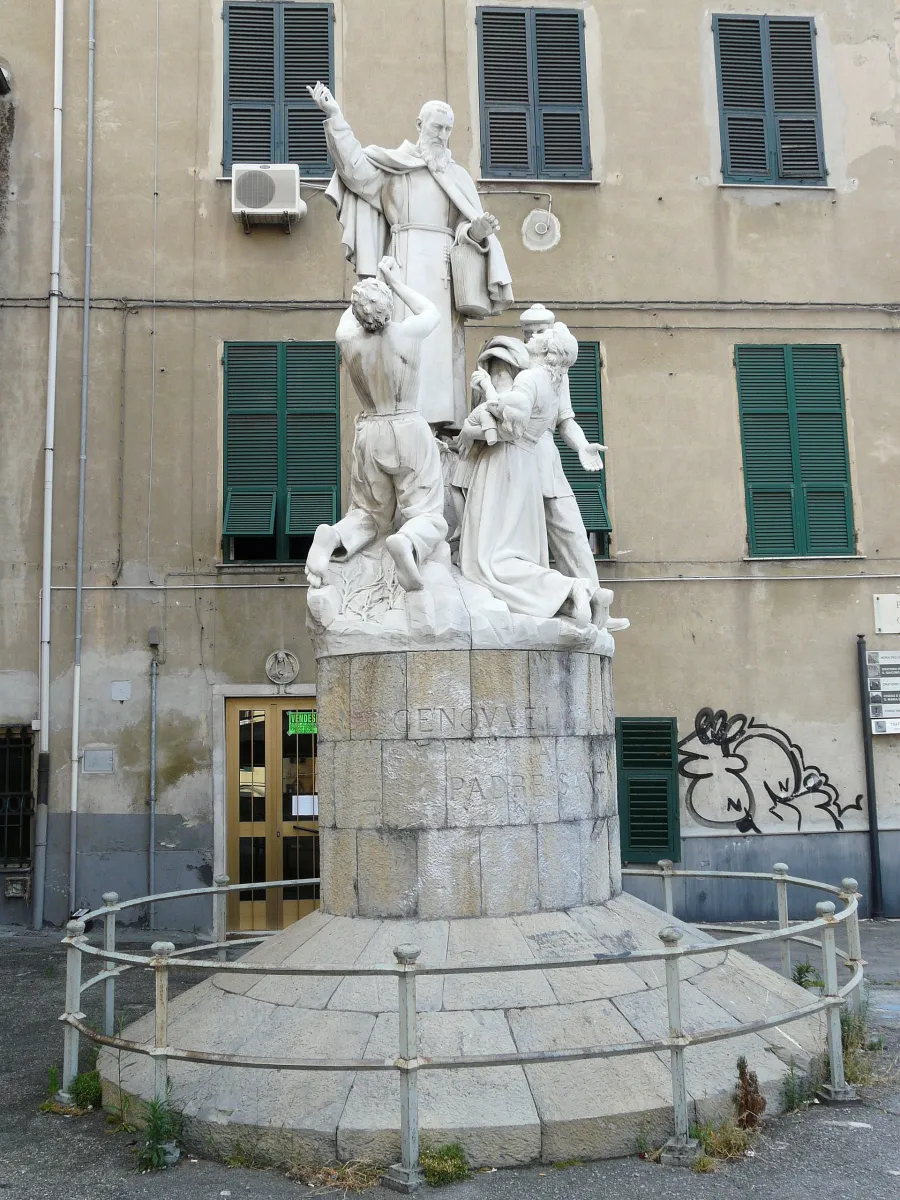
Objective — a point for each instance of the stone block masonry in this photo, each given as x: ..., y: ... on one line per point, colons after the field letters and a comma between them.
x: 466, y: 783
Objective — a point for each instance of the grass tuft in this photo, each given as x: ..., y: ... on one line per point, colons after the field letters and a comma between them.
x: 444, y: 1164
x: 704, y: 1164
x: 349, y: 1177
x: 86, y: 1091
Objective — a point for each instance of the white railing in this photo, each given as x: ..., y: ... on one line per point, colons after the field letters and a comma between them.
x: 406, y: 1175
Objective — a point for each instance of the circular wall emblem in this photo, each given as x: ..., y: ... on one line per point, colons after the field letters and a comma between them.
x: 282, y: 666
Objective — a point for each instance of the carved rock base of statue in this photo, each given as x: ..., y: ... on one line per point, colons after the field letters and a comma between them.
x: 466, y: 800
x: 362, y: 609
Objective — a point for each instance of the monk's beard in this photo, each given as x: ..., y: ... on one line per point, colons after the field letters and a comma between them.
x: 437, y: 156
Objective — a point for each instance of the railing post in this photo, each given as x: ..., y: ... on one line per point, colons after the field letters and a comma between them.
x: 681, y: 1150
x: 406, y: 1176
x: 850, y: 892
x: 780, y: 870
x: 159, y: 1053
x: 71, y: 1037
x: 110, y: 899
x: 838, y: 1091
x: 220, y: 916
x: 666, y: 865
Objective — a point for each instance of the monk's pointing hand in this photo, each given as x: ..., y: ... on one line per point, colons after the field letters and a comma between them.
x: 325, y: 100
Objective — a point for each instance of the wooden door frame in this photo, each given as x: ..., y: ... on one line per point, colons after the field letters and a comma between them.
x: 220, y: 693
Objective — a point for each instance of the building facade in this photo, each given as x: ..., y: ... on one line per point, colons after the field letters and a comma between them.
x: 725, y: 182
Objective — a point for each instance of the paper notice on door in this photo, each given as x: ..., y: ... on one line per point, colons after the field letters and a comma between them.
x: 304, y: 806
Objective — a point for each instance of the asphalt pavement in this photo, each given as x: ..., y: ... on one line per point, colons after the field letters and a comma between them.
x: 822, y: 1153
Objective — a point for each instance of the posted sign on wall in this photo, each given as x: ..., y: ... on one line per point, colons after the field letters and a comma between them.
x: 884, y: 690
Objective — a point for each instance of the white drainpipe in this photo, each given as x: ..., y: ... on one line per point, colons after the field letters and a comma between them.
x: 40, y: 837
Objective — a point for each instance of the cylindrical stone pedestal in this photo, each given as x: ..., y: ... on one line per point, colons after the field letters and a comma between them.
x: 466, y: 783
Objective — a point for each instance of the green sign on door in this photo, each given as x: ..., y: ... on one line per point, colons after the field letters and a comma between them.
x: 302, y: 721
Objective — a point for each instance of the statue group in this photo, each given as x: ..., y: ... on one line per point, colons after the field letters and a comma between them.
x: 440, y: 486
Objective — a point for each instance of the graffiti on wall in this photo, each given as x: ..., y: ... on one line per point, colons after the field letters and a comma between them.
x: 741, y: 771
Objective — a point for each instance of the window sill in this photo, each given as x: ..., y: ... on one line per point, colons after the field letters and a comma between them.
x: 261, y: 568
x: 811, y: 558
x: 528, y: 184
x: 320, y: 182
x: 778, y: 187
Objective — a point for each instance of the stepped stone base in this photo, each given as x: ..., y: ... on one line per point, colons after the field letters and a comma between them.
x: 503, y: 1116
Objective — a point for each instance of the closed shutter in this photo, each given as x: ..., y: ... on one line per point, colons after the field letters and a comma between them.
x: 251, y: 438
x: 282, y: 440
x: 534, y: 118
x: 769, y: 111
x: 273, y: 51
x: 312, y: 454
x: 646, y: 758
x: 584, y: 391
x: 308, y: 58
x: 794, y: 440
x: 250, y: 84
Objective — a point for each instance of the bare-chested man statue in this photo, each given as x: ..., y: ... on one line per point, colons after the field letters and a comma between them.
x: 396, y: 460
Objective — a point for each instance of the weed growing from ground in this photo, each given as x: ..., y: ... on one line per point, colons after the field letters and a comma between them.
x: 444, y: 1164
x: 348, y: 1177
x: 162, y: 1126
x: 807, y: 976
x: 748, y: 1099
x: 85, y: 1090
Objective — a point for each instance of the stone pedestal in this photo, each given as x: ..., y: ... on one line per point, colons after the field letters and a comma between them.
x: 466, y: 783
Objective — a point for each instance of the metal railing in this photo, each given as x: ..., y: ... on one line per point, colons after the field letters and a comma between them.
x: 407, y: 1175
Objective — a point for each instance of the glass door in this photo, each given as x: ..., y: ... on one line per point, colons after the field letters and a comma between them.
x: 272, y: 809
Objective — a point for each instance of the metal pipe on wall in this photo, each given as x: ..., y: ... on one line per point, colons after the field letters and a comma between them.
x: 151, y: 840
x: 876, y: 899
x: 82, y: 469
x: 43, y: 777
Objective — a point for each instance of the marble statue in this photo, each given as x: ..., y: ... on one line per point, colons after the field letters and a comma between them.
x: 503, y: 357
x: 396, y: 460
x: 503, y: 538
x: 422, y: 208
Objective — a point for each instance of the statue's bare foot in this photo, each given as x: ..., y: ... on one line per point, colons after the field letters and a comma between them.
x: 580, y: 597
x: 617, y: 624
x: 401, y: 551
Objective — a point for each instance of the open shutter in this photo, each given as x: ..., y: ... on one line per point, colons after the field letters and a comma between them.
x: 507, y: 120
x: 562, y: 137
x: 312, y: 437
x: 250, y: 84
x: 746, y: 155
x: 798, y: 124
x: 584, y: 391
x: 308, y: 58
x: 769, y: 461
x: 251, y: 438
x: 822, y: 445
x: 646, y: 759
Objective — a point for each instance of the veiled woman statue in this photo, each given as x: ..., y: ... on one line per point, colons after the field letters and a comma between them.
x: 503, y: 537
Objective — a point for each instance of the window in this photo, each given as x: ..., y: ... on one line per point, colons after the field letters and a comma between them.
x: 272, y: 51
x: 534, y: 119
x: 282, y: 447
x: 589, y: 489
x: 647, y: 759
x: 16, y: 799
x: 794, y: 438
x: 769, y: 114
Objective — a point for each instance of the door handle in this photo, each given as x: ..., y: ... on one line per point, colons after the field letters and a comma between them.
x: 278, y: 833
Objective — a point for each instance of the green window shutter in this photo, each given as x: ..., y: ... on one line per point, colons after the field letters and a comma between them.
x: 312, y: 436
x: 769, y: 111
x: 250, y: 84
x: 251, y: 438
x: 308, y: 58
x: 822, y: 446
x: 584, y: 391
x: 646, y: 760
x: 507, y: 119
x: 769, y: 476
x: 533, y: 90
x: 794, y: 441
x: 562, y: 138
x: 795, y: 100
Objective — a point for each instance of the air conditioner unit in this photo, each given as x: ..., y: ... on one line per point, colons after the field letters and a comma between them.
x: 266, y: 194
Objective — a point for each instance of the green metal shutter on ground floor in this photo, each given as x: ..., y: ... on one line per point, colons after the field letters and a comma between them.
x: 584, y: 390
x: 646, y: 760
